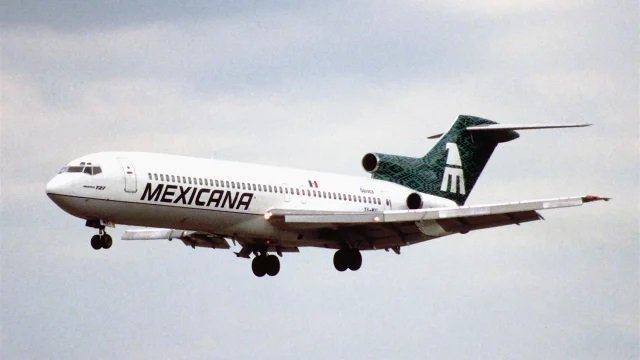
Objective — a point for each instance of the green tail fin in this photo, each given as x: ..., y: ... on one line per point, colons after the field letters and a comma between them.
x: 451, y: 168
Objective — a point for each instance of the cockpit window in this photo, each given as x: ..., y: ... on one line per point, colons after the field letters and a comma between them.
x: 87, y: 169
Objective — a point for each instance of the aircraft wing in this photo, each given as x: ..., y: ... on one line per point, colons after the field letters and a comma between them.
x: 189, y: 238
x: 395, y: 228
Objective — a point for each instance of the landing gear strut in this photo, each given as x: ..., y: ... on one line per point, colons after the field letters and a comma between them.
x: 265, y: 264
x: 345, y: 259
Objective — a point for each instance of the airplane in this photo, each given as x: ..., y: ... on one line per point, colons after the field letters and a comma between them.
x: 271, y: 210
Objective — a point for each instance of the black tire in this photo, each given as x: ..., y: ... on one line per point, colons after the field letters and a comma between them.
x: 258, y: 266
x: 96, y: 242
x: 340, y: 261
x: 273, y: 265
x: 355, y: 259
x: 107, y: 241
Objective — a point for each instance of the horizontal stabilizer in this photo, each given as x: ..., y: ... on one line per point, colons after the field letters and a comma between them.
x: 522, y: 127
x: 506, y: 127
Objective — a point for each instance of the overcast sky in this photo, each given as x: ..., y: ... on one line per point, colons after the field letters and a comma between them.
x: 317, y: 85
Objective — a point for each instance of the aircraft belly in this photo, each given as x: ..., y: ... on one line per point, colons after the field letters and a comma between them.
x: 175, y: 217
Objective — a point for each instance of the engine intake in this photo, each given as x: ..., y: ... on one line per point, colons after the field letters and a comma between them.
x: 370, y: 162
x: 414, y: 201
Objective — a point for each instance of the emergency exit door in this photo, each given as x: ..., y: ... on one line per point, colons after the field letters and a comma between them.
x: 130, y: 181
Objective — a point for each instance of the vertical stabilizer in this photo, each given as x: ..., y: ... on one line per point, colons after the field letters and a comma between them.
x: 451, y: 168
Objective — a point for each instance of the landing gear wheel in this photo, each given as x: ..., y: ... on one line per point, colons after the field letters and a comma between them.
x: 96, y: 242
x: 272, y: 265
x: 106, y: 241
x: 340, y: 260
x: 258, y: 265
x: 355, y: 259
x: 345, y: 259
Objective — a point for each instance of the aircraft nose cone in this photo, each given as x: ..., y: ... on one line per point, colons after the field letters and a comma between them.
x: 55, y: 186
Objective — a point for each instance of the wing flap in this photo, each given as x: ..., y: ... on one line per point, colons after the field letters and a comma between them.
x: 189, y: 238
x: 466, y: 224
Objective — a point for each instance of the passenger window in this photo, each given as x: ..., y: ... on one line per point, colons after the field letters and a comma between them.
x: 173, y: 178
x: 161, y: 177
x: 308, y: 192
x: 259, y: 187
x: 270, y: 188
x: 150, y: 176
x: 297, y: 191
x: 280, y: 187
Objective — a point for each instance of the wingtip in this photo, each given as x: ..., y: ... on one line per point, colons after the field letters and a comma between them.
x: 590, y: 198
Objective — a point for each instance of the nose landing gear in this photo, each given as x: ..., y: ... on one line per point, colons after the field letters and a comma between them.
x: 101, y: 241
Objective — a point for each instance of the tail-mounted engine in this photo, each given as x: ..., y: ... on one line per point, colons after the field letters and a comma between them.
x: 382, y: 165
x: 414, y: 201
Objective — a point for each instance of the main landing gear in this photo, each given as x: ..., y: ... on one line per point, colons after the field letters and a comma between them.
x: 346, y: 258
x: 265, y: 264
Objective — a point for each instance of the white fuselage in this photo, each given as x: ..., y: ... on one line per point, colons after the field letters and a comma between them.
x: 225, y: 198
